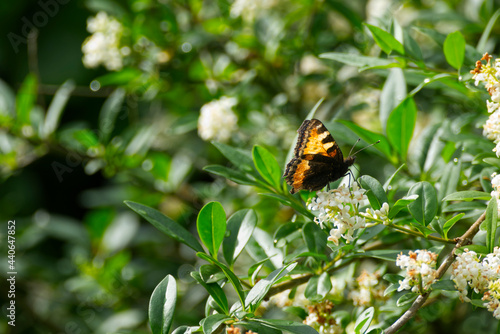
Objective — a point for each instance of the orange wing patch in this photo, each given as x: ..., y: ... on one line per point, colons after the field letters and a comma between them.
x: 317, y: 160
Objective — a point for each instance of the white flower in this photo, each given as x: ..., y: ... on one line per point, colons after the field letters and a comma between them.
x: 338, y: 208
x: 103, y: 46
x: 490, y: 75
x: 381, y: 214
x: 249, y: 9
x: 420, y: 267
x: 217, y: 120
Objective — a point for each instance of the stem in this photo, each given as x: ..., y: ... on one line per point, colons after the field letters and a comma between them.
x: 420, y: 234
x: 465, y: 239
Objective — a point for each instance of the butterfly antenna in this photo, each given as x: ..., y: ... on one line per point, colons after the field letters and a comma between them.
x: 378, y: 141
x: 353, y: 146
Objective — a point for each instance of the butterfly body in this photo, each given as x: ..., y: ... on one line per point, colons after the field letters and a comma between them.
x: 317, y: 159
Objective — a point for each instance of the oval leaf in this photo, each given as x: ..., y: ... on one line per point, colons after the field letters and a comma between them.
x: 376, y: 194
x: 240, y: 227
x: 162, y: 305
x: 454, y: 49
x: 467, y: 196
x: 267, y: 166
x: 424, y: 208
x: 385, y: 40
x: 211, y: 225
x: 364, y: 320
x: 400, y: 126
x: 166, y: 225
x: 259, y: 291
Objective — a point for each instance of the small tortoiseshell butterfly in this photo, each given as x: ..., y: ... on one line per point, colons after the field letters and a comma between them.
x: 317, y: 159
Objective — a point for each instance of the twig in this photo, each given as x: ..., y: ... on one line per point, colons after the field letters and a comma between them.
x: 465, y: 239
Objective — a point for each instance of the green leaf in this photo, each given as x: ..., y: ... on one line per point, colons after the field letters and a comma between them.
x: 370, y: 137
x: 287, y: 325
x: 454, y: 49
x: 359, y: 61
x: 393, y: 93
x: 311, y: 291
x: 364, y: 320
x: 297, y: 311
x: 464, y: 206
x: 211, y: 225
x: 491, y: 224
x: 240, y: 227
x: 25, y: 99
x: 109, y: 111
x: 324, y: 284
x: 231, y: 174
x: 267, y: 166
x: 166, y: 225
x: 383, y: 254
x: 424, y: 208
x: 412, y: 49
x: 261, y: 246
x: 400, y: 126
x: 444, y: 284
x: 406, y: 299
x: 376, y: 194
x: 385, y: 40
x: 185, y: 330
x: 122, y: 77
x: 481, y: 45
x: 233, y: 279
x: 162, y: 305
x: 314, y: 238
x: 214, y: 290
x: 86, y: 138
x: 401, y: 204
x: 7, y: 100
x: 467, y: 196
x: 449, y: 224
x: 56, y: 108
x: 241, y: 159
x: 212, y: 322
x: 259, y: 291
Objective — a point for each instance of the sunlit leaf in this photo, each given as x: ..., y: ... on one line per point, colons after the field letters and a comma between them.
x: 267, y: 166
x: 424, y: 208
x: 240, y: 227
x: 385, y: 40
x: 211, y: 225
x: 162, y: 305
x: 454, y: 49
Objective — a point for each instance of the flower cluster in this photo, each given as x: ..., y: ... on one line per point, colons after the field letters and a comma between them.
x: 378, y: 215
x: 482, y: 276
x: 369, y: 289
x: 338, y: 208
x: 490, y: 74
x: 420, y: 269
x: 103, y: 46
x: 320, y: 318
x: 217, y: 120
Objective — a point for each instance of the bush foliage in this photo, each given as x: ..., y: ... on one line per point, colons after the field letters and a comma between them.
x: 184, y: 114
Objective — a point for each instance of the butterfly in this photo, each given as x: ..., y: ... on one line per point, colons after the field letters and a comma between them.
x: 317, y: 159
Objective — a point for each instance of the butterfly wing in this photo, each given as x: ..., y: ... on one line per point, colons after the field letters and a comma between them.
x: 317, y: 158
x: 314, y: 138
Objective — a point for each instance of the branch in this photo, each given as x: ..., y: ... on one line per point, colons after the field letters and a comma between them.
x: 465, y: 239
